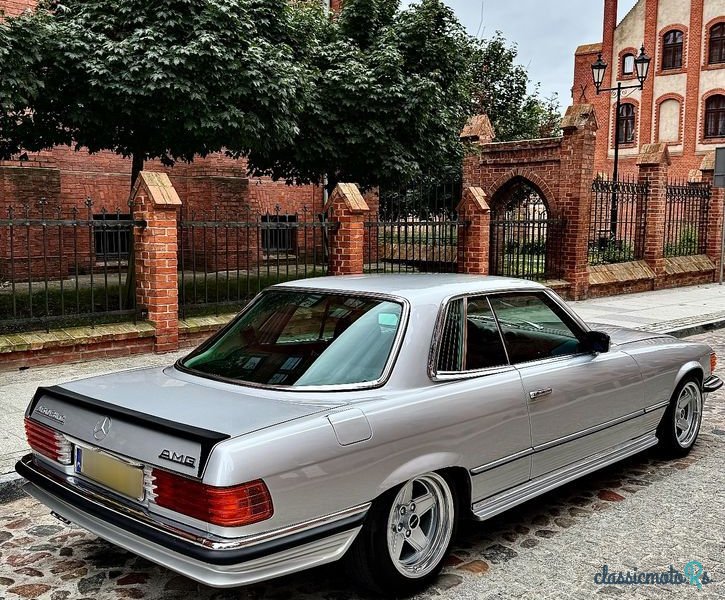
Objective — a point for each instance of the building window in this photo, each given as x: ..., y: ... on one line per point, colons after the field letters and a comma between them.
x: 628, y: 64
x: 672, y: 50
x: 279, y: 237
x: 111, y: 236
x: 715, y: 117
x: 668, y: 121
x: 717, y: 44
x: 626, y: 123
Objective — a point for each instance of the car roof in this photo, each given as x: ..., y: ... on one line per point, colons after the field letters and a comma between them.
x: 414, y: 287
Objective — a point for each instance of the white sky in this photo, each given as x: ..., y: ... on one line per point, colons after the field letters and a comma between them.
x: 546, y: 31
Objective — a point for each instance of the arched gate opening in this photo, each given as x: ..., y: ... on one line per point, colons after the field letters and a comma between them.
x: 525, y: 238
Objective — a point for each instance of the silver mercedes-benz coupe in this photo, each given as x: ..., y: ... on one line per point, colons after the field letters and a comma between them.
x: 357, y: 417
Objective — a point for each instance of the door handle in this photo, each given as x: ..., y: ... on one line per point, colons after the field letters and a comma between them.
x: 536, y: 394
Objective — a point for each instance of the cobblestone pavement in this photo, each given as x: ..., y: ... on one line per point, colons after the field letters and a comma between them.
x: 643, y: 513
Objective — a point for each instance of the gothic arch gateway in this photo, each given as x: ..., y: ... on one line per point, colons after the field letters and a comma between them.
x: 525, y: 240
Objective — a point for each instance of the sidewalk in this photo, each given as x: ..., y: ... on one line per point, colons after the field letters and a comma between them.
x: 682, y: 312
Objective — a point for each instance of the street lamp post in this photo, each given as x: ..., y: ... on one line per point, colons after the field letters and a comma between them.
x: 599, y: 68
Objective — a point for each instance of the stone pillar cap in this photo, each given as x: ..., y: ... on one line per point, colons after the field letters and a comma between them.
x: 158, y: 188
x: 350, y: 194
x: 579, y: 116
x: 475, y: 196
x: 654, y: 154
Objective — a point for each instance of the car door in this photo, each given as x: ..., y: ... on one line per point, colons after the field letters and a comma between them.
x: 485, y: 396
x: 579, y: 402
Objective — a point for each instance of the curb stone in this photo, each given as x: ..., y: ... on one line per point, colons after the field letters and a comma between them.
x: 11, y: 483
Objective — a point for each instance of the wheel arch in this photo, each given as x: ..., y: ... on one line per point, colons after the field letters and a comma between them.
x: 445, y: 463
x: 690, y: 368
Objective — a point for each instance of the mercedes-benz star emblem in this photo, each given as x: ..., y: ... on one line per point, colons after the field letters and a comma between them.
x: 100, y: 431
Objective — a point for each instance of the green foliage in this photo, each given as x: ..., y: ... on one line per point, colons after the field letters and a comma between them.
x: 687, y: 243
x: 169, y: 79
x: 391, y: 91
x: 611, y: 251
x: 377, y: 96
x: 502, y: 93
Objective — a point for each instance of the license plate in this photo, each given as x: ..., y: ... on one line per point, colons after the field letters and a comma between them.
x: 110, y: 472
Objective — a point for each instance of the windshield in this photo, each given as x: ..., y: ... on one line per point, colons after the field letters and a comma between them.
x: 296, y: 338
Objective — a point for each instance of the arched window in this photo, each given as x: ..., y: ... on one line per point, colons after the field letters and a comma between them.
x: 672, y: 50
x: 628, y: 64
x: 668, y: 122
x: 627, y: 118
x: 716, y: 52
x: 715, y: 117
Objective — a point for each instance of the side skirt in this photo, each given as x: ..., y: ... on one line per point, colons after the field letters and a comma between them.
x: 489, y: 507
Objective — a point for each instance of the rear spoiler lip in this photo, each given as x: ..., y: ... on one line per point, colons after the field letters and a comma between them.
x: 205, y: 437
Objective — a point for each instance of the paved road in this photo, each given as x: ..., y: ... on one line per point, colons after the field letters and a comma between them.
x: 644, y: 513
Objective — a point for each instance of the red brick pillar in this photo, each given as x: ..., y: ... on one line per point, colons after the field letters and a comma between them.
x: 716, y: 212
x: 473, y: 232
x: 575, y: 196
x: 653, y: 163
x: 347, y: 211
x: 155, y: 253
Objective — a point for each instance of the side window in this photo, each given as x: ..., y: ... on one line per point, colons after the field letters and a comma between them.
x: 450, y: 347
x: 484, y: 347
x: 534, y: 328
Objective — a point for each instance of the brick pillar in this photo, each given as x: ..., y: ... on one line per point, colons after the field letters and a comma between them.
x: 473, y: 239
x: 653, y: 163
x: 575, y: 196
x: 347, y: 210
x: 716, y: 212
x: 155, y: 253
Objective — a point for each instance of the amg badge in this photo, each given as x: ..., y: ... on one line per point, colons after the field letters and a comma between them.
x: 182, y: 459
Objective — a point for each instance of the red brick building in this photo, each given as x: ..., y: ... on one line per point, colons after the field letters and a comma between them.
x: 683, y: 100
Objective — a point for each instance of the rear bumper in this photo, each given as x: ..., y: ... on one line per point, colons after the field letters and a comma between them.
x: 218, y: 562
x: 712, y: 384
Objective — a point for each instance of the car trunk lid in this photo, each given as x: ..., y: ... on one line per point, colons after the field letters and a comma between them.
x: 163, y: 417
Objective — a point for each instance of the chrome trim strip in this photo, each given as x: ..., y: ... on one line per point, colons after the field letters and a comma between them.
x: 365, y: 385
x: 589, y: 430
x: 563, y: 440
x: 204, y: 540
x: 657, y: 406
x: 502, y: 461
x: 712, y: 384
x: 489, y: 507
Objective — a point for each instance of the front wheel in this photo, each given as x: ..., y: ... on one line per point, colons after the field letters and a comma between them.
x: 406, y: 536
x: 680, y: 424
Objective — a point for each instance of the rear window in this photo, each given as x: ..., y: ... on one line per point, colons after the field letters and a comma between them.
x: 298, y: 339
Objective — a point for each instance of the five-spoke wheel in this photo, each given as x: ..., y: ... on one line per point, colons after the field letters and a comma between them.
x: 406, y: 536
x: 681, y: 423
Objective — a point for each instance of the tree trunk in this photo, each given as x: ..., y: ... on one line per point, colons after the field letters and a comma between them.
x: 136, y: 166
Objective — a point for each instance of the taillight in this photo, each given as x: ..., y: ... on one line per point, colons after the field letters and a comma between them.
x: 48, y: 442
x: 713, y: 362
x: 225, y: 506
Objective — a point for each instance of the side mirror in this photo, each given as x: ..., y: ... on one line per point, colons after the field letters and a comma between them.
x: 597, y: 341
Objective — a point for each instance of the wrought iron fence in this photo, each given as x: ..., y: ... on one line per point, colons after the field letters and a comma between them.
x: 224, y: 261
x: 617, y: 221
x: 526, y: 242
x: 686, y: 218
x: 415, y: 229
x: 65, y: 266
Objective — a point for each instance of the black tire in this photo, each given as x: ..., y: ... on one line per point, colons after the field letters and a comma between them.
x: 369, y: 560
x: 670, y: 443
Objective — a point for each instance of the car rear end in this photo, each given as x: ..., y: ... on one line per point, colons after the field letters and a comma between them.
x: 139, y: 482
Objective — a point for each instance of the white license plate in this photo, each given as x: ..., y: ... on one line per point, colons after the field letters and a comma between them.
x: 116, y: 475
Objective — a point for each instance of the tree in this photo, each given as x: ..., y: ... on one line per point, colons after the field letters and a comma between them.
x: 391, y: 91
x: 502, y: 93
x: 168, y: 80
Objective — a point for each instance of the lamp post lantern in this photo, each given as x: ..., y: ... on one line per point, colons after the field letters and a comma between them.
x: 599, y: 69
